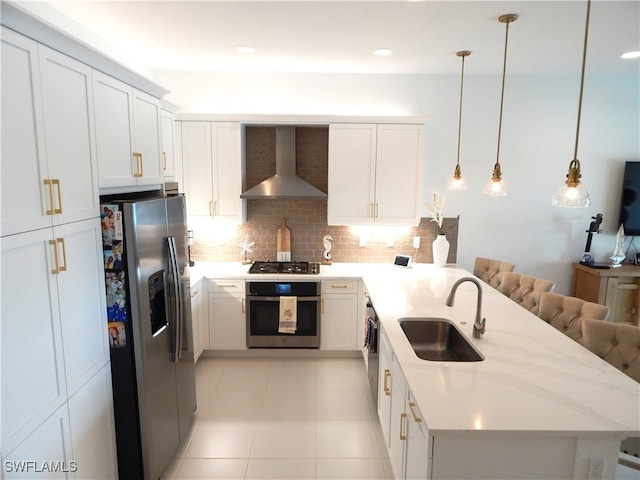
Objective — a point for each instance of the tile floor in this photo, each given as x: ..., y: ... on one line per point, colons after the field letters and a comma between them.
x: 294, y: 418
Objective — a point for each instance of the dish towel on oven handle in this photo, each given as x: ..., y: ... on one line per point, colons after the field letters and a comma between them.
x: 288, y: 315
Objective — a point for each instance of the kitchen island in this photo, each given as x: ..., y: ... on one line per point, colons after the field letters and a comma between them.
x: 538, y: 406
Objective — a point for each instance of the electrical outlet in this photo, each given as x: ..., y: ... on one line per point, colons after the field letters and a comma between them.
x: 596, y: 469
x: 416, y: 242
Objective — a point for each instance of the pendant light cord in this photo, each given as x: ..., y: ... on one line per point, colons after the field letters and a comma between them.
x: 504, y: 73
x: 584, y: 61
x: 460, y: 111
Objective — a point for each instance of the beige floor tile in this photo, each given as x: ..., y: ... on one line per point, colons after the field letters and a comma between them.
x: 211, y: 469
x: 221, y: 439
x: 288, y: 405
x: 343, y: 405
x: 281, y: 469
x: 284, y: 439
x: 347, y: 439
x: 350, y: 469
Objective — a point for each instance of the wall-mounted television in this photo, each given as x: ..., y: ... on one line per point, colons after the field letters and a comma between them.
x: 630, y: 199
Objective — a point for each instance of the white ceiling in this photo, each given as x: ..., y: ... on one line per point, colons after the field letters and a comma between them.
x: 339, y: 36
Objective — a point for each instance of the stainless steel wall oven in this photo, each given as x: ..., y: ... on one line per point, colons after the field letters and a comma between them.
x: 263, y: 314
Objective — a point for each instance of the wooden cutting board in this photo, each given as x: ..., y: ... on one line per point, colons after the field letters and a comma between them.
x: 283, y: 242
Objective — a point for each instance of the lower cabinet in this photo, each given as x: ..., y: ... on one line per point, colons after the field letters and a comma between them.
x: 227, y: 320
x: 57, y: 406
x: 404, y: 431
x: 199, y: 319
x: 339, y: 315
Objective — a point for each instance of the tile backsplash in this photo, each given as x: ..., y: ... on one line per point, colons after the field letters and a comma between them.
x: 307, y: 219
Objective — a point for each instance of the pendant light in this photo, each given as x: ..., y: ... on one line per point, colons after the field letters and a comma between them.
x: 457, y: 182
x: 496, y: 186
x: 573, y: 193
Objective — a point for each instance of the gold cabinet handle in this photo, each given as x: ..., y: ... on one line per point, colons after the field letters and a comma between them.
x: 211, y: 209
x: 56, y: 182
x: 371, y: 210
x: 215, y: 208
x: 164, y: 161
x: 339, y: 286
x: 138, y: 157
x: 413, y: 413
x: 50, y: 211
x: 376, y: 210
x: 387, y: 374
x: 56, y: 269
x: 63, y: 267
x: 242, y: 308
x: 403, y: 418
x: 226, y: 285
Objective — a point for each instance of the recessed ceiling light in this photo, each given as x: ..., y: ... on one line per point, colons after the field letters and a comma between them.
x: 630, y: 55
x: 382, y: 52
x: 245, y: 49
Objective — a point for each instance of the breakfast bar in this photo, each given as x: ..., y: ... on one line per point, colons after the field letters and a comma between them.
x: 538, y: 404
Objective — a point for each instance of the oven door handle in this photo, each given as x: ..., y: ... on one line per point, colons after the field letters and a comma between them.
x: 251, y: 298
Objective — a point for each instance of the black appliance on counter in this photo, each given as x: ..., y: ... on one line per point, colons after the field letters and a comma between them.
x: 263, y: 314
x: 302, y: 268
x: 372, y: 336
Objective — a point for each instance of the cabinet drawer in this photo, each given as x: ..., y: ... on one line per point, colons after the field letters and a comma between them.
x: 234, y: 285
x: 338, y: 286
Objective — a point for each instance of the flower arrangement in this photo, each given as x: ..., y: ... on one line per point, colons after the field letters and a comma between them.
x: 437, y: 208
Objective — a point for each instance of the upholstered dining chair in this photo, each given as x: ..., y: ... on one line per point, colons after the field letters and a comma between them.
x: 617, y: 343
x: 490, y: 271
x: 525, y: 289
x: 566, y: 313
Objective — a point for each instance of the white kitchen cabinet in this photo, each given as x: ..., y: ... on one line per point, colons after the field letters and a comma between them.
x: 385, y: 383
x: 339, y: 315
x: 416, y: 458
x: 49, y: 172
x: 405, y: 433
x: 375, y: 174
x: 213, y: 170
x: 398, y: 420
x: 127, y: 135
x: 92, y: 428
x: 48, y: 447
x: 82, y: 301
x: 31, y: 336
x: 56, y: 329
x: 227, y: 318
x: 200, y: 319
x: 169, y: 159
x: 24, y: 166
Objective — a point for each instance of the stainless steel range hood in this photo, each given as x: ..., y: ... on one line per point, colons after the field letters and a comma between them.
x: 285, y: 183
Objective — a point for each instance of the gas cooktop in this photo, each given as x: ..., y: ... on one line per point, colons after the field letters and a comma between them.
x: 284, y: 267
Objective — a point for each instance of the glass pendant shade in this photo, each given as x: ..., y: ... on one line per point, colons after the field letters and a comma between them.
x: 457, y: 182
x: 572, y: 193
x: 496, y: 186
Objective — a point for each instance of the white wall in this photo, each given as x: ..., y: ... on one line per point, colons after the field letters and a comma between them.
x: 538, y: 135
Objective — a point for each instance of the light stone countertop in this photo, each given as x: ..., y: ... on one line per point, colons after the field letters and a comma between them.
x: 533, y: 378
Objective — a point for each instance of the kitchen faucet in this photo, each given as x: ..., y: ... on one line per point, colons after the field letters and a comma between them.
x: 479, y: 323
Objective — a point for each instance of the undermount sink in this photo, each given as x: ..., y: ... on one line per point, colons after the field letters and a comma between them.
x: 438, y: 340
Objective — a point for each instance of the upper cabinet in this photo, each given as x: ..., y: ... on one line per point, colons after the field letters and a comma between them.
x: 375, y: 174
x: 127, y: 135
x: 169, y: 159
x: 49, y: 176
x: 213, y: 169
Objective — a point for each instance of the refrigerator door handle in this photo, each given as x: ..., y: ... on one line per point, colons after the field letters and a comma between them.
x: 177, y: 293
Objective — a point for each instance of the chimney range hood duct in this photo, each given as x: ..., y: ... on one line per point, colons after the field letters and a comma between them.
x: 285, y: 183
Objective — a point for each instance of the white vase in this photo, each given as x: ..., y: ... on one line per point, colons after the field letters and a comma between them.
x: 440, y: 248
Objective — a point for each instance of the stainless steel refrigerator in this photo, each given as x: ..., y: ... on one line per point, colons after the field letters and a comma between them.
x: 149, y: 313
